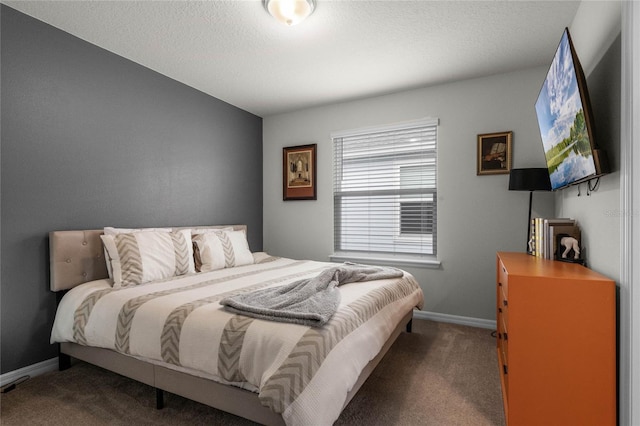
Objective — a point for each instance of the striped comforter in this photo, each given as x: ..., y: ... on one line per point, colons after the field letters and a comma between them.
x: 178, y: 323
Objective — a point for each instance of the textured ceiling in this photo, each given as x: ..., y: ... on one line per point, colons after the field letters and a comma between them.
x: 234, y: 51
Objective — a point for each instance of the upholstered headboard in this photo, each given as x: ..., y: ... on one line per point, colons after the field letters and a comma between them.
x: 76, y: 257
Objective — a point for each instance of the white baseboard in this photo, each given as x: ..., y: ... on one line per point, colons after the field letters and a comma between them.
x: 30, y: 370
x: 455, y: 319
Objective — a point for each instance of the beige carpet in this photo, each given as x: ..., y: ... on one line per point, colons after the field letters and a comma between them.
x: 441, y: 374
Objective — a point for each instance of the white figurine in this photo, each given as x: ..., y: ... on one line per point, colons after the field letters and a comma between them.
x: 570, y: 243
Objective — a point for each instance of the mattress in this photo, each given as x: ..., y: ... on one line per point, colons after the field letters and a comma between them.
x: 303, y: 373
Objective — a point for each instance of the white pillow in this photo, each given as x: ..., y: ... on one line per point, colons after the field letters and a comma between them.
x: 141, y: 257
x: 223, y: 249
x: 198, y: 231
x: 108, y: 230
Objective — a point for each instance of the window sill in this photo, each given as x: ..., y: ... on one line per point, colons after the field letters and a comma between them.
x: 429, y: 262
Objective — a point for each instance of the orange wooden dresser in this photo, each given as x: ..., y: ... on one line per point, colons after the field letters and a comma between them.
x: 556, y: 342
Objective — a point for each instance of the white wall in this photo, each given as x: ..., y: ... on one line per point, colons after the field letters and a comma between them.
x: 477, y: 215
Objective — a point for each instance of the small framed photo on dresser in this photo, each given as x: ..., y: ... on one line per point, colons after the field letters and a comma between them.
x: 299, y: 172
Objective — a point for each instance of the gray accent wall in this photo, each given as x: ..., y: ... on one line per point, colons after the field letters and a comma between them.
x: 598, y: 212
x: 90, y: 139
x: 598, y: 47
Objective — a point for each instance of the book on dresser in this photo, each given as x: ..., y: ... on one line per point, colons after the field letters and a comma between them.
x: 546, y: 232
x: 556, y: 342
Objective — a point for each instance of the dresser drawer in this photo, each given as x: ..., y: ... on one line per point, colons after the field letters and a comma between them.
x: 503, y: 279
x: 503, y: 305
x: 504, y: 343
x: 504, y: 370
x: 503, y: 337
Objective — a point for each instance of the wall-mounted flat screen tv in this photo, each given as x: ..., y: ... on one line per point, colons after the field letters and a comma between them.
x: 565, y: 121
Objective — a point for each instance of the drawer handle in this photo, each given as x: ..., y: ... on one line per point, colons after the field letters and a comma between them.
x: 504, y: 302
x: 505, y: 336
x: 500, y: 310
x: 504, y: 368
x: 499, y: 284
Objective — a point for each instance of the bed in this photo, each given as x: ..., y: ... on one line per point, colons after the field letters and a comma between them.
x: 172, y: 333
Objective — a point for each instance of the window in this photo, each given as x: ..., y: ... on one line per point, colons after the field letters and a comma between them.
x: 385, y: 192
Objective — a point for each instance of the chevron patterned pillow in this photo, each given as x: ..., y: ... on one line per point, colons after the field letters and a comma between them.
x: 109, y: 230
x: 223, y: 249
x: 142, y: 257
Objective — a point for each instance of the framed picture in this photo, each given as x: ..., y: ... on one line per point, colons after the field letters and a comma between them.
x: 494, y: 153
x: 299, y: 172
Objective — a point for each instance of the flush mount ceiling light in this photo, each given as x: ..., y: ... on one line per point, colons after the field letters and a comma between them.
x: 289, y: 12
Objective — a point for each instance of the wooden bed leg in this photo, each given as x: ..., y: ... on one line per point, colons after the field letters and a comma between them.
x: 159, y: 399
x: 64, y: 361
x: 409, y: 325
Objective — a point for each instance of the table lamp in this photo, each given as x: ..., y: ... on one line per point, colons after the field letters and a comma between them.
x: 531, y: 179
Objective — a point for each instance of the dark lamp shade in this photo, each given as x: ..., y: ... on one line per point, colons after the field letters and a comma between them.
x: 532, y: 179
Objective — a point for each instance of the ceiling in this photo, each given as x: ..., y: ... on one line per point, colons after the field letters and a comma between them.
x: 236, y: 52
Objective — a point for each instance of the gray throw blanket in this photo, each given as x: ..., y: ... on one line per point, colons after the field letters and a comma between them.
x: 310, y: 301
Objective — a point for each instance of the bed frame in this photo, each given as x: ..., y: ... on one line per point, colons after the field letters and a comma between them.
x: 77, y: 257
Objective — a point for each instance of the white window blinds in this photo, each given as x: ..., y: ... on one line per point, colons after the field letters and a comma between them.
x: 385, y: 189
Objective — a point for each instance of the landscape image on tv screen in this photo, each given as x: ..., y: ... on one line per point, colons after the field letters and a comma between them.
x: 562, y: 123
